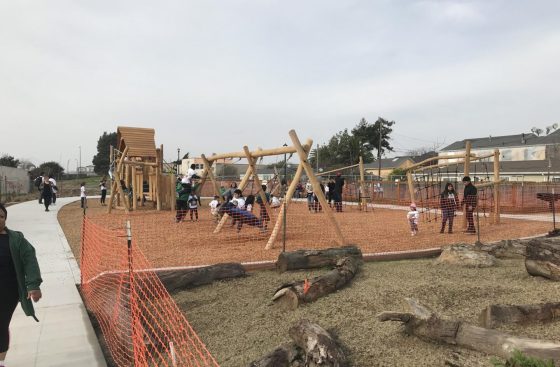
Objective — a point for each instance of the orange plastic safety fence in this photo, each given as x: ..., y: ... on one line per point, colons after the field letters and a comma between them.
x: 141, y: 323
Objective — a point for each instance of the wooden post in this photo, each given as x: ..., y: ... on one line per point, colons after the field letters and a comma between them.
x: 171, y: 190
x: 466, y: 172
x: 157, y: 179
x: 208, y: 172
x: 279, y: 219
x: 496, y: 186
x: 253, y: 166
x: 363, y: 185
x: 316, y: 187
x: 134, y: 182
x: 117, y: 183
x: 242, y: 185
x: 287, y: 199
x: 410, y: 183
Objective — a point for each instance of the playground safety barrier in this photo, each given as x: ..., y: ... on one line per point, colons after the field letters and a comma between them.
x: 141, y: 324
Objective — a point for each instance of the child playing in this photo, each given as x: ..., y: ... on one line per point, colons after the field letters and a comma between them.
x: 194, y: 202
x: 215, y: 208
x: 237, y: 196
x: 413, y: 217
x: 274, y: 201
x: 249, y: 203
x: 183, y: 193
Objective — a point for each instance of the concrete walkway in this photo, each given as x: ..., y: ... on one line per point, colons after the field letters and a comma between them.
x: 64, y: 336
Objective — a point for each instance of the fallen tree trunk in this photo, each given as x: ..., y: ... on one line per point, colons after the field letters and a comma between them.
x: 543, y: 258
x: 427, y: 325
x: 291, y: 295
x: 283, y: 356
x: 320, y: 348
x: 309, y: 259
x: 178, y: 279
x: 496, y: 315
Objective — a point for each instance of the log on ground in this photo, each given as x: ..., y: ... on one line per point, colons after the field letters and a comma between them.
x: 178, y: 279
x: 496, y: 315
x: 320, y: 348
x: 291, y: 295
x: 310, y: 259
x: 427, y: 325
x: 543, y: 258
x: 286, y: 355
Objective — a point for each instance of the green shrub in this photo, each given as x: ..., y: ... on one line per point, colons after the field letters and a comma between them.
x: 518, y: 359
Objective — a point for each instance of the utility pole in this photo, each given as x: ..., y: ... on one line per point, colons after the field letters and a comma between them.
x: 178, y: 154
x: 80, y: 147
x: 317, y: 157
x: 379, y: 150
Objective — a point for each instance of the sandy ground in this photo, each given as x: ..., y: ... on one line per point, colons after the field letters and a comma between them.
x: 238, y: 323
x: 166, y: 243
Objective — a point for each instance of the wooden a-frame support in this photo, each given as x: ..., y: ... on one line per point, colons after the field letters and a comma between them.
x: 116, y: 186
x: 303, y: 152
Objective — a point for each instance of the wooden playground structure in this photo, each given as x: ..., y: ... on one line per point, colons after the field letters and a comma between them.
x: 303, y: 152
x: 466, y: 160
x: 137, y: 161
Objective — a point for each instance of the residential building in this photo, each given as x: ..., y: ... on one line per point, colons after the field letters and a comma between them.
x: 388, y: 165
x: 523, y: 157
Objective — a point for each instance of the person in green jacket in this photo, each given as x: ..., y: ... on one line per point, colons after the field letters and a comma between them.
x: 20, y: 279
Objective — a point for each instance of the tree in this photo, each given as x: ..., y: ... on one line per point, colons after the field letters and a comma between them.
x: 49, y: 168
x: 368, y: 134
x: 8, y: 161
x: 101, y: 159
x: 26, y: 164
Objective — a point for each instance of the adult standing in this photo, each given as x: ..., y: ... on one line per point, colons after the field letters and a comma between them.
x: 47, y: 193
x: 330, y: 195
x: 309, y: 193
x: 338, y: 186
x: 469, y: 200
x: 448, y: 202
x: 20, y: 279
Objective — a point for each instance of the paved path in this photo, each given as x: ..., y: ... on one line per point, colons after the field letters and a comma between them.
x: 64, y: 336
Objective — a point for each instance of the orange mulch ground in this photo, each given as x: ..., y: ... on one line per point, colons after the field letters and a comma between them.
x: 166, y: 243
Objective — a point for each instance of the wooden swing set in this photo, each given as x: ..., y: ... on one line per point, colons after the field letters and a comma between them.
x: 252, y: 156
x: 465, y: 158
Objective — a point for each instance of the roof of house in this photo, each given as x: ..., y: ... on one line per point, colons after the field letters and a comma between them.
x: 140, y: 141
x: 505, y: 141
x: 388, y: 163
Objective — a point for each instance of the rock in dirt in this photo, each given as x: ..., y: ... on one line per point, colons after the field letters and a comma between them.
x: 465, y: 255
x: 543, y: 258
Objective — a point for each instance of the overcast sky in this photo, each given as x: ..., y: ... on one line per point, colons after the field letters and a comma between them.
x: 211, y: 76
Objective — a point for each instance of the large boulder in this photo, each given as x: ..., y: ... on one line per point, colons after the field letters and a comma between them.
x: 466, y: 255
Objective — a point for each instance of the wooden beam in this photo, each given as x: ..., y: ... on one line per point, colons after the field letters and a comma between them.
x: 117, y: 182
x: 157, y: 180
x: 362, y: 185
x: 287, y: 199
x: 453, y: 156
x: 336, y: 170
x: 497, y: 186
x: 316, y: 187
x: 255, y: 154
x: 256, y: 179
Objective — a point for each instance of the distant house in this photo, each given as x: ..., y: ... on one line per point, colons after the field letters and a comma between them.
x: 388, y: 165
x: 523, y: 157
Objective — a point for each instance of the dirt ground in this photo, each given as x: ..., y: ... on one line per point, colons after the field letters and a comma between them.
x: 237, y: 322
x: 166, y: 243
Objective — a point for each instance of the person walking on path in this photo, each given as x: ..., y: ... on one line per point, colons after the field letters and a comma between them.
x: 470, y: 201
x: 448, y: 202
x: 47, y: 193
x: 54, y: 189
x: 39, y: 185
x: 20, y: 279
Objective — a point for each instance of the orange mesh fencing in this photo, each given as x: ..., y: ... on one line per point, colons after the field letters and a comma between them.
x: 141, y: 324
